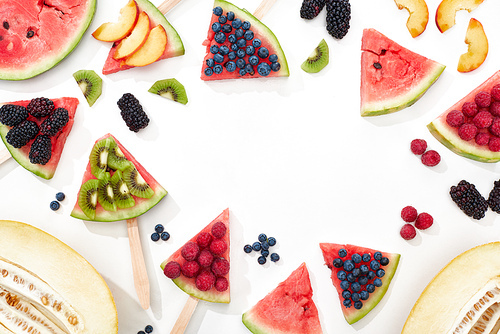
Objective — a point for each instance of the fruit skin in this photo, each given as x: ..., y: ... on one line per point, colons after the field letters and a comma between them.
x: 446, y: 11
x: 322, y: 51
x: 477, y: 51
x: 40, y: 253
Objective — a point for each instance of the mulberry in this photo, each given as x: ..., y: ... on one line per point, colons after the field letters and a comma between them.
x: 469, y: 199
x: 22, y: 133
x: 132, y: 112
x: 311, y: 8
x: 41, y: 150
x: 12, y: 115
x: 55, y: 122
x: 40, y: 107
x: 494, y: 197
x: 338, y: 16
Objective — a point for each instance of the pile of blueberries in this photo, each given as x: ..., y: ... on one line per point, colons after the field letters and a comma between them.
x: 55, y: 205
x: 263, y: 246
x: 160, y: 233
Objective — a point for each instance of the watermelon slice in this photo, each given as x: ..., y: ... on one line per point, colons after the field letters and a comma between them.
x: 188, y: 285
x: 36, y: 35
x: 174, y: 43
x: 289, y: 308
x: 21, y: 155
x: 392, y: 77
x: 368, y: 283
x: 140, y: 205
x: 269, y: 60
x: 448, y: 135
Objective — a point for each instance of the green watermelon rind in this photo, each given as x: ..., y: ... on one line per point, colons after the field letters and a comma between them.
x: 251, y: 322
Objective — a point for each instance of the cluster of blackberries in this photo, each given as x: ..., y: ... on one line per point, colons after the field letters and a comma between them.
x: 132, y: 112
x: 263, y: 246
x: 160, y: 233
x: 470, y: 200
x: 338, y: 14
x: 55, y: 205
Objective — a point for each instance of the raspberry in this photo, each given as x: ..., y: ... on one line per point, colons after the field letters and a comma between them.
x: 409, y: 214
x: 219, y: 230
x: 469, y: 109
x: 495, y: 108
x: 40, y: 107
x: 455, y: 118
x: 190, y: 251
x: 483, y: 99
x: 467, y: 131
x: 220, y: 267
x: 172, y: 270
x: 206, y: 258
x: 431, y: 158
x: 190, y: 268
x: 483, y: 119
x: 12, y: 115
x: 205, y: 280
x: 218, y: 247
x: 204, y: 239
x: 424, y: 221
x: 495, y: 127
x: 495, y: 92
x: 418, y: 146
x: 482, y: 138
x: 221, y: 284
x: 494, y: 144
x: 408, y: 232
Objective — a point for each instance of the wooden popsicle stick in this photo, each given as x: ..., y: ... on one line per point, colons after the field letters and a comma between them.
x: 263, y: 8
x: 4, y: 155
x: 141, y: 280
x: 167, y: 5
x: 183, y: 319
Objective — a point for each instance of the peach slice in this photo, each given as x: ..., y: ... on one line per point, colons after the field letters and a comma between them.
x: 152, y: 49
x: 136, y: 39
x: 419, y: 15
x: 445, y: 13
x: 111, y: 32
x: 478, y: 47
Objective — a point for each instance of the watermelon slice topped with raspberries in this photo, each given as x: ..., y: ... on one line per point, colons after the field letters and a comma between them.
x: 471, y: 127
x: 240, y: 46
x: 201, y: 266
x: 392, y: 77
x: 35, y: 131
x: 360, y: 275
x: 289, y: 308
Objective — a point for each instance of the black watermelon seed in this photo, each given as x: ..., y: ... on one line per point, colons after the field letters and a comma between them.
x: 377, y: 65
x: 1, y: 38
x: 30, y: 34
x: 6, y: 25
x: 383, y: 51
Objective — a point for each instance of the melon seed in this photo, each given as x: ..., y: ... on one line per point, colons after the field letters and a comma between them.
x: 377, y: 65
x: 6, y: 25
x: 30, y: 34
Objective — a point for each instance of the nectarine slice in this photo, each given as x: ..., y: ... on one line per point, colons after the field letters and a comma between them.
x: 478, y: 47
x: 445, y: 13
x: 136, y: 39
x: 419, y: 15
x: 152, y: 49
x: 111, y: 32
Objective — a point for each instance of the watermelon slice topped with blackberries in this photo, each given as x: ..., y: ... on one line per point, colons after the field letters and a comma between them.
x: 35, y: 131
x: 201, y: 266
x: 360, y: 275
x: 240, y: 46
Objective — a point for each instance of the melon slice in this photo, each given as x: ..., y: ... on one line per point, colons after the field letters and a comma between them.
x: 21, y: 155
x: 140, y: 205
x: 448, y: 135
x: 392, y: 77
x: 45, y: 260
x: 260, y: 32
x: 174, y: 47
x: 188, y: 285
x: 36, y: 35
x: 289, y: 308
x: 351, y: 312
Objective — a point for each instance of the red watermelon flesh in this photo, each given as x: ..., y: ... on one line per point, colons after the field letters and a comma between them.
x: 21, y: 155
x: 288, y: 309
x: 392, y: 77
x: 188, y: 285
x: 331, y: 252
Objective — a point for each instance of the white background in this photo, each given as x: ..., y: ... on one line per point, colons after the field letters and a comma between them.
x: 290, y: 157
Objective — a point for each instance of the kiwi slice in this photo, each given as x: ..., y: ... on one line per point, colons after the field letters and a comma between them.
x: 138, y: 187
x: 90, y: 83
x: 318, y: 59
x: 122, y: 195
x: 116, y: 158
x: 105, y: 194
x: 99, y: 157
x: 87, y: 198
x: 170, y: 89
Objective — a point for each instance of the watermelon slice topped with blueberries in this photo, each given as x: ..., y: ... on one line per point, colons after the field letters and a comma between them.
x: 289, y: 308
x: 360, y: 275
x: 240, y: 46
x: 201, y: 266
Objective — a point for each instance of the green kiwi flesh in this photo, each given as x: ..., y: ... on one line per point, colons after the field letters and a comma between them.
x: 318, y: 59
x: 87, y: 198
x: 138, y: 187
x: 90, y: 83
x: 170, y: 89
x: 122, y: 195
x: 116, y: 158
x: 99, y: 157
x: 105, y: 194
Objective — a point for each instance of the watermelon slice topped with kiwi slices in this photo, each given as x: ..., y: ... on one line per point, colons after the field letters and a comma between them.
x: 37, y: 137
x: 36, y: 35
x: 289, y: 308
x: 240, y: 46
x: 360, y: 275
x: 471, y: 127
x: 201, y: 266
x: 115, y: 186
x: 392, y: 77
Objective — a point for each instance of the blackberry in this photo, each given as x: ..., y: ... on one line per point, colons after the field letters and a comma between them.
x: 494, y: 197
x: 40, y: 107
x: 22, y: 133
x: 55, y: 122
x: 132, y: 112
x: 41, y: 150
x: 469, y: 200
x: 338, y: 16
x: 12, y: 115
x: 311, y: 8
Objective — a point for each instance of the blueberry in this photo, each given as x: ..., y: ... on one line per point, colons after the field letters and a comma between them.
x: 155, y: 236
x: 348, y: 265
x: 371, y: 275
x: 214, y: 49
x: 366, y: 257
x: 222, y: 19
x: 165, y: 236
x: 220, y: 37
x: 380, y: 273
x: 384, y: 261
x: 264, y: 69
x: 355, y: 296
x: 240, y: 53
x: 224, y: 50
x: 249, y: 69
x: 342, y: 252
x: 240, y: 63
x: 261, y: 260
x: 344, y: 285
x: 141, y: 332
x: 230, y: 66
x: 239, y: 33
x: 377, y: 282
x: 208, y: 71
x: 256, y: 246
x: 341, y: 275
x: 364, y: 295
x: 264, y: 244
x: 60, y: 196
x: 250, y: 50
x: 159, y: 228
x: 218, y: 58
x: 210, y: 62
x: 241, y: 43
x: 356, y: 258
x: 230, y: 16
x: 377, y: 256
x: 231, y: 55
x: 256, y: 42
x: 234, y: 47
x: 351, y: 278
x: 358, y: 305
x: 363, y: 280
x: 246, y: 25
x: 232, y: 38
x: 356, y: 272
x: 242, y: 72
x: 263, y: 53
x: 364, y: 269
x: 262, y: 237
x: 148, y: 329
x: 264, y: 253
x: 275, y: 257
x: 370, y: 288
x: 347, y: 303
x: 236, y: 23
x: 227, y: 28
x: 247, y: 249
x: 54, y: 205
x: 374, y: 265
x: 355, y: 287
x: 217, y: 11
x: 248, y: 35
x: 271, y: 241
x: 346, y: 294
x: 274, y: 58
x: 216, y: 27
x: 275, y: 66
x: 338, y: 263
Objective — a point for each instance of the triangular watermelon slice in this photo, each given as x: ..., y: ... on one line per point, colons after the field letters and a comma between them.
x: 289, y: 308
x: 364, y: 283
x: 207, y: 242
x: 228, y: 34
x: 392, y: 77
x: 134, y: 205
x: 174, y: 47
x: 21, y: 155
